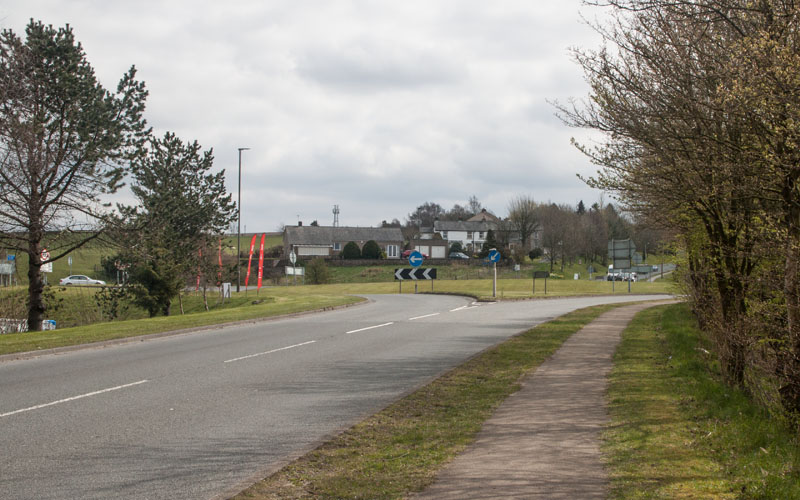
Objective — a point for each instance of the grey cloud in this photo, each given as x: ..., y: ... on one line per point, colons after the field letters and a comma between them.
x: 377, y: 65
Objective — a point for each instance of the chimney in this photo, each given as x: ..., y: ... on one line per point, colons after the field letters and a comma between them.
x: 299, y: 223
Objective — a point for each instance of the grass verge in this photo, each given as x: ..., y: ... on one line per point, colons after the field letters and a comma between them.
x: 271, y: 306
x: 677, y: 432
x: 398, y: 450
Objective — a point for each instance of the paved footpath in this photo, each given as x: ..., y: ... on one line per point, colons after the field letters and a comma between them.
x: 544, y: 440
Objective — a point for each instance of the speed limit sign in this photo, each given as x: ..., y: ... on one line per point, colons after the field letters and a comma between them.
x: 45, y: 254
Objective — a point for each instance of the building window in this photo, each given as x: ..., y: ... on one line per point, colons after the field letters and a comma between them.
x: 469, y: 235
x: 480, y: 235
x: 444, y: 234
x: 337, y: 247
x: 392, y: 251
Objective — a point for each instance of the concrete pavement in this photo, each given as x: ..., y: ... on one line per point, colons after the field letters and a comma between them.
x: 543, y: 442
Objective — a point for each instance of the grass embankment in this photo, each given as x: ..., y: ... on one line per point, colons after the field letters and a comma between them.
x: 268, y: 307
x: 482, y: 288
x: 398, y: 450
x: 677, y: 432
x: 458, y: 270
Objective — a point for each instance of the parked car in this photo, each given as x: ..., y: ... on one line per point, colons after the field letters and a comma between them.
x: 406, y: 253
x: 79, y: 279
x: 458, y: 255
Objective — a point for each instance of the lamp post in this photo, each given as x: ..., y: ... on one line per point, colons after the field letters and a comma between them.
x: 239, y: 222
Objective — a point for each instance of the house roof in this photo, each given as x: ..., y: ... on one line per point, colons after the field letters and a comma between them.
x: 460, y: 225
x: 327, y: 235
x: 483, y: 216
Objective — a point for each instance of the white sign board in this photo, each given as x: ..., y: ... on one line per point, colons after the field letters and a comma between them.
x: 47, y: 268
x: 295, y: 271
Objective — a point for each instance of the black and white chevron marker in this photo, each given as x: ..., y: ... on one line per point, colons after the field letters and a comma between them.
x: 415, y: 274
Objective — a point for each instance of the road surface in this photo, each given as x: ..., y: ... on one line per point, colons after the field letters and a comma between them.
x: 203, y: 414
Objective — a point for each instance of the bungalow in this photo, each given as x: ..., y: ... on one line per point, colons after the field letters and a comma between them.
x: 328, y: 241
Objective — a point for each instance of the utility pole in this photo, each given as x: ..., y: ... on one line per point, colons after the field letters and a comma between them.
x: 239, y: 222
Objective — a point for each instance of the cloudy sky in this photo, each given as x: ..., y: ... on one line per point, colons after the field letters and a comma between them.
x: 375, y: 106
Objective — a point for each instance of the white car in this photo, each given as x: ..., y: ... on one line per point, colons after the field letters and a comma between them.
x: 79, y: 279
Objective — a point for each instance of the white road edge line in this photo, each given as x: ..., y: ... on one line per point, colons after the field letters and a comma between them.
x: 425, y: 316
x: 268, y: 352
x: 73, y: 398
x: 463, y: 308
x: 370, y: 327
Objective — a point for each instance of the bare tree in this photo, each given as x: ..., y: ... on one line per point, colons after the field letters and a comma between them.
x: 523, y: 219
x: 700, y: 101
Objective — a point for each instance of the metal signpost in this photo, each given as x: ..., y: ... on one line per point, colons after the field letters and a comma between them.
x: 494, y: 257
x: 540, y: 274
x: 293, y: 260
x: 46, y: 268
x: 621, y: 254
x: 415, y: 258
x: 414, y: 274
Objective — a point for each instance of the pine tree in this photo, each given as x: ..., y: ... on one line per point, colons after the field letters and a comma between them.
x: 63, y: 137
x: 183, y: 208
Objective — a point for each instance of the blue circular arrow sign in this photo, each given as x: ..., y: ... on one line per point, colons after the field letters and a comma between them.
x: 415, y: 259
x: 494, y: 255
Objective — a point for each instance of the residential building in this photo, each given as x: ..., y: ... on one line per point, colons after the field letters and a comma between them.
x: 328, y: 241
x: 435, y: 248
x: 471, y: 234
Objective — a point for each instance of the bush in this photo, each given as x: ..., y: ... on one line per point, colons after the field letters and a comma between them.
x: 371, y: 250
x: 351, y: 251
x: 317, y: 272
x: 456, y: 247
x: 535, y: 253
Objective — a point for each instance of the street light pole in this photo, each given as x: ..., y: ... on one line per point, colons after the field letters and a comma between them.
x: 239, y: 222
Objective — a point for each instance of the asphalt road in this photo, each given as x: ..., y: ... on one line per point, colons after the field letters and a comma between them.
x: 203, y: 414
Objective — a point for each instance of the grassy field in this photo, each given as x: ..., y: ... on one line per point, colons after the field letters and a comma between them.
x: 240, y: 308
x: 482, y: 288
x: 398, y: 450
x: 678, y: 432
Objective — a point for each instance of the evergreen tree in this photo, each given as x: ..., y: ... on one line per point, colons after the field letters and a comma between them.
x: 488, y: 244
x: 351, y: 251
x: 62, y: 136
x: 183, y: 208
x: 371, y: 250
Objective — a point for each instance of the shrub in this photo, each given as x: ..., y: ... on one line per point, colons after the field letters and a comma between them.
x: 317, y: 272
x: 351, y: 251
x: 371, y: 250
x: 456, y: 247
x: 535, y: 253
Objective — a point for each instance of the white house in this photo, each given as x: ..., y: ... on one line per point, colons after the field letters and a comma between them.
x: 471, y: 234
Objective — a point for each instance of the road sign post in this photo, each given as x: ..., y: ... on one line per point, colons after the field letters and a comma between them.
x: 293, y: 259
x: 540, y: 274
x: 415, y: 274
x: 494, y: 257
